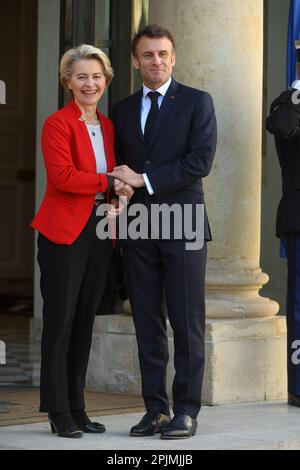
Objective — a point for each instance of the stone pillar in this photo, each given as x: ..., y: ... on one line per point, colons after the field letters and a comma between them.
x: 47, y: 103
x: 220, y: 50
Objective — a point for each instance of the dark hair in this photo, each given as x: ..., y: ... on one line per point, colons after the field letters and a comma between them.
x: 151, y: 31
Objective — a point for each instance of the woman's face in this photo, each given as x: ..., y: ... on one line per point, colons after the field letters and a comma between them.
x: 88, y: 82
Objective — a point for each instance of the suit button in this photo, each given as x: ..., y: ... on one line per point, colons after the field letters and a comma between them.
x: 148, y: 163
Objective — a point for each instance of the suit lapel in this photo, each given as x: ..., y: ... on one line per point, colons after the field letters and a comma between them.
x: 136, y: 109
x: 166, y: 106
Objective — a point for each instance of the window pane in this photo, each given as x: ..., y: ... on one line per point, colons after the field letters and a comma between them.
x: 102, y: 15
x: 68, y: 23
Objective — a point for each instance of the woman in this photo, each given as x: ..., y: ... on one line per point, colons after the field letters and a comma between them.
x: 78, y: 149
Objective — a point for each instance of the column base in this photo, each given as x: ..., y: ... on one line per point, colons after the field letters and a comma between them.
x: 235, y: 293
x: 245, y: 360
x: 113, y: 364
x: 232, y: 306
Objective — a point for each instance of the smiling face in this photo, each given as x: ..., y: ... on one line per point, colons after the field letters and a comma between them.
x: 88, y: 82
x: 155, y: 59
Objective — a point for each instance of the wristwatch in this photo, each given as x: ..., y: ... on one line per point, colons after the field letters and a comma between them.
x: 111, y: 182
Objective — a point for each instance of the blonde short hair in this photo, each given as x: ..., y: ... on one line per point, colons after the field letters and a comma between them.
x: 84, y: 51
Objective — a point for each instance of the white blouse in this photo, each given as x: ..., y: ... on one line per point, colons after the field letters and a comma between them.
x: 96, y: 137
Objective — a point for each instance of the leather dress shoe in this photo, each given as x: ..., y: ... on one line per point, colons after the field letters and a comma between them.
x: 84, y: 423
x: 293, y: 400
x: 150, y: 424
x: 180, y: 427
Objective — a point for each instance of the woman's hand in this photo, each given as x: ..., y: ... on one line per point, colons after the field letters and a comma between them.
x: 123, y: 189
x: 118, y: 207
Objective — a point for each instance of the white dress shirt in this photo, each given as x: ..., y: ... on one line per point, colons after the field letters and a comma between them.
x: 145, y: 108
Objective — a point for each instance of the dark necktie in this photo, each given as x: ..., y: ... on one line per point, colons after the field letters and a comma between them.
x: 153, y: 95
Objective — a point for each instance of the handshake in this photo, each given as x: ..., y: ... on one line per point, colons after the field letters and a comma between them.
x: 124, y: 182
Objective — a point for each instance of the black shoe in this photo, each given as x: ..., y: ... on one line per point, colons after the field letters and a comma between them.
x: 85, y: 424
x: 181, y: 427
x: 63, y: 425
x: 293, y: 400
x: 150, y: 424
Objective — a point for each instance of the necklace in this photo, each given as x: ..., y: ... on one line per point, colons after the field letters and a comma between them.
x: 95, y: 122
x: 91, y: 128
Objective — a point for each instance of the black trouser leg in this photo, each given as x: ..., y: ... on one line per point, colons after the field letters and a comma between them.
x: 65, y: 271
x: 184, y: 274
x: 144, y: 277
x: 293, y: 312
x: 61, y: 276
x: 89, y: 300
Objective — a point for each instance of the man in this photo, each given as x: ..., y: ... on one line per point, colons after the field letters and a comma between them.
x: 284, y: 123
x: 166, y: 140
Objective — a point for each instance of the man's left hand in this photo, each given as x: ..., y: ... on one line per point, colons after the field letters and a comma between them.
x: 124, y: 173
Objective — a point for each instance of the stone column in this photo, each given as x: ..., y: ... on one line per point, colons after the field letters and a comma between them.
x: 220, y: 50
x: 47, y: 103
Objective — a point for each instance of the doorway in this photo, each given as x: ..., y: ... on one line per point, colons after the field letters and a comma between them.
x: 17, y: 144
x: 18, y: 37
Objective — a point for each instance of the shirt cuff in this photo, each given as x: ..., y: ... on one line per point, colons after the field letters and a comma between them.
x: 148, y: 184
x: 296, y: 84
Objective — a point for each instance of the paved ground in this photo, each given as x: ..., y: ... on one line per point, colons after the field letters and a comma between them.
x: 20, y: 404
x: 251, y: 426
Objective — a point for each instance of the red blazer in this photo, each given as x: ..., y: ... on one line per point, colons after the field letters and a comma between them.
x: 72, y: 180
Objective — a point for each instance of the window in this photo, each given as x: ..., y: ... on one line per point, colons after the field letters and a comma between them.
x: 110, y: 25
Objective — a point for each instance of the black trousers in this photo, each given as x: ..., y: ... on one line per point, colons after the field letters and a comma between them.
x: 292, y: 245
x: 72, y: 283
x: 150, y: 266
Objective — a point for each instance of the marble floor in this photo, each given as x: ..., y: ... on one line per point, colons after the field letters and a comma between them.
x: 21, y: 357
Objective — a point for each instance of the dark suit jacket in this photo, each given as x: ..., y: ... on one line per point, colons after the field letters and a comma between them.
x: 181, y: 149
x: 284, y: 123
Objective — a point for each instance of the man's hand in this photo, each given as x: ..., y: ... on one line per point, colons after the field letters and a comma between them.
x: 123, y: 189
x: 125, y: 174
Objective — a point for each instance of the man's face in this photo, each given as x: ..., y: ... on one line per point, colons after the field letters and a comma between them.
x: 155, y: 60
